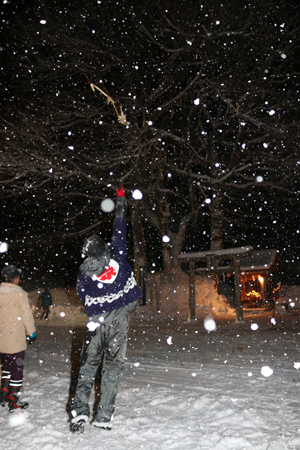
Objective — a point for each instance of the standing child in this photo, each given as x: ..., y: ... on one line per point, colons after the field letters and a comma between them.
x: 107, y: 287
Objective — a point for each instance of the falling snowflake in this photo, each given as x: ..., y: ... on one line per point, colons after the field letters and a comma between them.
x: 266, y: 371
x: 3, y: 247
x: 92, y: 326
x: 169, y: 340
x: 107, y: 205
x: 209, y: 324
x: 137, y: 194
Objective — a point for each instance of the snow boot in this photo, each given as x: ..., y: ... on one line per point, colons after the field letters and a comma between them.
x: 105, y: 423
x: 13, y: 398
x: 78, y: 423
x: 4, y: 387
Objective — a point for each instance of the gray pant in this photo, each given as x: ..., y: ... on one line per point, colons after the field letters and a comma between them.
x: 111, y: 339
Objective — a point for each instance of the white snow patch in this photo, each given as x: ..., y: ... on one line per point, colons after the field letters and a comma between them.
x: 17, y: 419
x: 192, y: 398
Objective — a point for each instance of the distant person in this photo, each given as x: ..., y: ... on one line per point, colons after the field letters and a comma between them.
x: 46, y: 303
x: 107, y: 287
x: 15, y: 321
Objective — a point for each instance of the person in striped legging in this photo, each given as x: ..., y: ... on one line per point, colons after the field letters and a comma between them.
x: 16, y: 328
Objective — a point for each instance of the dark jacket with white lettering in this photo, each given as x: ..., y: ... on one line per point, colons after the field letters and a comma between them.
x: 114, y: 288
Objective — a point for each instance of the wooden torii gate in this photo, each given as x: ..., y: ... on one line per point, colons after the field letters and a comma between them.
x: 213, y: 259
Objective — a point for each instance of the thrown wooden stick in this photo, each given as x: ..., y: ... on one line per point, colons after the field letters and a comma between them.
x: 121, y: 116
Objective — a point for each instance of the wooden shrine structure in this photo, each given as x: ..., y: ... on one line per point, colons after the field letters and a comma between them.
x: 214, y: 265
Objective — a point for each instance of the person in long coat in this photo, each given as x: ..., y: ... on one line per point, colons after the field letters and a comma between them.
x: 16, y: 327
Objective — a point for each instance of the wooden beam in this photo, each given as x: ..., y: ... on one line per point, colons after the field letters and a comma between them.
x: 192, y: 308
x: 228, y: 253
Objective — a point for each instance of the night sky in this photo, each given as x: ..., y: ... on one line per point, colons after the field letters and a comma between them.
x: 211, y: 93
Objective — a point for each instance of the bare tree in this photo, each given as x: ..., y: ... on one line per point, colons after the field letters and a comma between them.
x: 209, y: 93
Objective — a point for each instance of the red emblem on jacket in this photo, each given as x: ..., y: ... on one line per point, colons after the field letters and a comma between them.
x: 110, y: 274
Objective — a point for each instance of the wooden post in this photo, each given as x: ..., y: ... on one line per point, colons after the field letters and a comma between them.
x: 157, y: 292
x: 237, y: 289
x: 192, y: 290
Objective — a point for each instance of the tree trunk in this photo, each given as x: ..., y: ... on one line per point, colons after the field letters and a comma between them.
x: 139, y: 245
x: 216, y: 223
x: 177, y: 240
x: 166, y: 254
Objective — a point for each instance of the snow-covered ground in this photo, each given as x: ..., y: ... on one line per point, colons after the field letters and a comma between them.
x: 183, y: 388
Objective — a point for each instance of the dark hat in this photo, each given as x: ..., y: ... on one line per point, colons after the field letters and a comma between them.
x: 93, y: 246
x: 11, y: 272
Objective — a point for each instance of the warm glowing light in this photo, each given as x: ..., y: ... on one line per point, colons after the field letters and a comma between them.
x: 253, y: 292
x: 276, y: 288
x: 261, y: 279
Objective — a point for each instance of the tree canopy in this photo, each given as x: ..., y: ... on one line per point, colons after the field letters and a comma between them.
x: 197, y: 109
